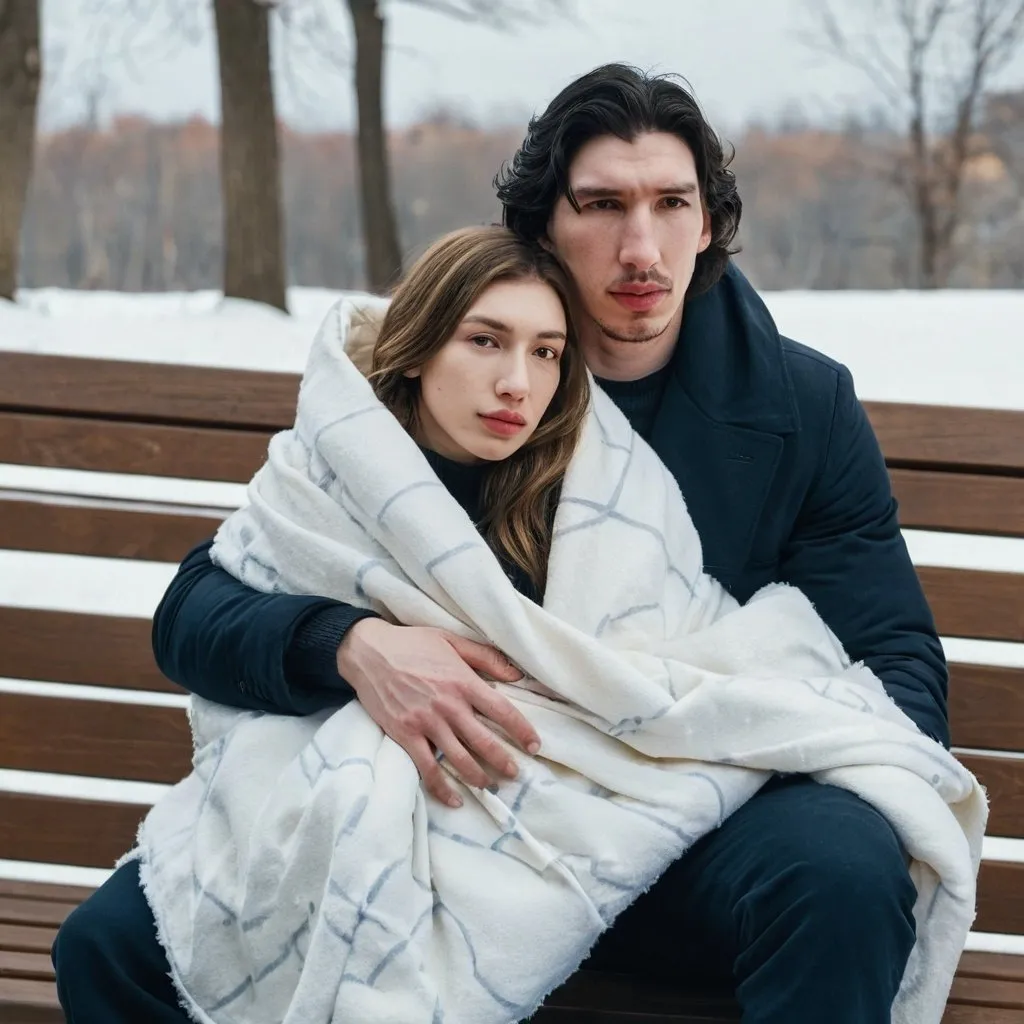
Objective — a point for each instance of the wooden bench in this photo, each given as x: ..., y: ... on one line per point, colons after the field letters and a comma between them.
x: 954, y: 470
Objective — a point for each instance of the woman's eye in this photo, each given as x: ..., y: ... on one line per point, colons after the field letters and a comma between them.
x: 547, y: 353
x: 482, y: 341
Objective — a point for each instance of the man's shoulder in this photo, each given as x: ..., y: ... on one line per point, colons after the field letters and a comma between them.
x: 816, y: 379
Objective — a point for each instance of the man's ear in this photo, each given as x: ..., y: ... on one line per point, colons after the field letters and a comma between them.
x: 705, y: 235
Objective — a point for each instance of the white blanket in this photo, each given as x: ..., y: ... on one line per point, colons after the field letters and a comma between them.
x: 301, y: 874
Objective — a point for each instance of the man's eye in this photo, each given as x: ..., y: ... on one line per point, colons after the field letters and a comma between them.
x: 602, y: 204
x: 675, y: 202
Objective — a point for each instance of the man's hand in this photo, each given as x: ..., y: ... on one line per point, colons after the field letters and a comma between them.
x: 419, y: 685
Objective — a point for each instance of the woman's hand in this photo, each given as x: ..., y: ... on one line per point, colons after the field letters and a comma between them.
x: 419, y: 685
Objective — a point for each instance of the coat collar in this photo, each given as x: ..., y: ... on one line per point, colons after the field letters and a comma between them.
x: 730, y: 361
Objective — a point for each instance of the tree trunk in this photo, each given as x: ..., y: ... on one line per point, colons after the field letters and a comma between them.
x: 250, y: 167
x: 380, y: 234
x: 20, y: 65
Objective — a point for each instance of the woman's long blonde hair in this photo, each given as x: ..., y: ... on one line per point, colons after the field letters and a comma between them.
x: 425, y: 311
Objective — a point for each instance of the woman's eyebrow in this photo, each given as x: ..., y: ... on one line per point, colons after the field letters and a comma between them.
x: 497, y: 325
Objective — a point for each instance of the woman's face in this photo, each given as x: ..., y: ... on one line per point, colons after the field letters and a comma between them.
x: 484, y: 392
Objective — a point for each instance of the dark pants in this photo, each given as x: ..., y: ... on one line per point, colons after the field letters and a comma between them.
x: 801, y: 899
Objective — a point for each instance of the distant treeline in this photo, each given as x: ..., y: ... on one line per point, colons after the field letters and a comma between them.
x: 136, y: 206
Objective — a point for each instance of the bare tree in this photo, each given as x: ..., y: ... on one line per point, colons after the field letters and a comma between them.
x: 254, y: 266
x: 380, y: 230
x: 932, y: 61
x: 383, y: 249
x: 20, y: 69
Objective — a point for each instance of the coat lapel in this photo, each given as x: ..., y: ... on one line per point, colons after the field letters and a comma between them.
x: 724, y: 472
x: 727, y: 406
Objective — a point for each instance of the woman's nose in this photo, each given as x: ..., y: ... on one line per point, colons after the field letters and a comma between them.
x: 515, y: 380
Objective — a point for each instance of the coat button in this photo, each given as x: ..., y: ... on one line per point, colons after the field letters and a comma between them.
x: 243, y: 686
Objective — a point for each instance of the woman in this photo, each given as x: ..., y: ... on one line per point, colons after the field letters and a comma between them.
x: 301, y: 872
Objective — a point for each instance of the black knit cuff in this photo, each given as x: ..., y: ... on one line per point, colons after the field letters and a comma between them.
x: 311, y: 661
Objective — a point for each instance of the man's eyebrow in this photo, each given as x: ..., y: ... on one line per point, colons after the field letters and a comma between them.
x: 603, y: 192
x: 497, y: 325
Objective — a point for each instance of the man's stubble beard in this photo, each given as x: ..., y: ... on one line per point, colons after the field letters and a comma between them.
x: 642, y: 333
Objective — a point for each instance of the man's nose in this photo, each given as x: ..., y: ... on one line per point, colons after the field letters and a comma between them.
x: 639, y: 247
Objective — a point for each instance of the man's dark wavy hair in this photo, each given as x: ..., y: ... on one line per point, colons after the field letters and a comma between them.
x: 620, y: 100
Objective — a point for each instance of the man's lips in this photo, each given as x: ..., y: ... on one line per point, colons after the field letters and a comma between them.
x: 639, y: 300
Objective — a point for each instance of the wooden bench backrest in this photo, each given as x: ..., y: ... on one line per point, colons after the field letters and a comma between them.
x: 954, y: 470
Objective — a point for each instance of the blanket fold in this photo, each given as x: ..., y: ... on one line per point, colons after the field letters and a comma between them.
x: 300, y: 873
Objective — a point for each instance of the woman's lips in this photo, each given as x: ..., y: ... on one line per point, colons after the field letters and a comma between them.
x: 640, y: 302
x: 503, y: 428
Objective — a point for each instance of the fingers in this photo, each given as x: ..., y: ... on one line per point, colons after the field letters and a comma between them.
x: 485, y: 747
x: 484, y: 658
x: 459, y: 757
x: 435, y: 779
x: 503, y: 712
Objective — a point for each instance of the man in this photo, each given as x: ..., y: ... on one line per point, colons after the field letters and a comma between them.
x: 802, y: 898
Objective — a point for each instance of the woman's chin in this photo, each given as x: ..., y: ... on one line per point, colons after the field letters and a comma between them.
x: 493, y: 449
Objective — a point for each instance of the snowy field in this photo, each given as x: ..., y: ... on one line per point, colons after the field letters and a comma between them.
x: 951, y: 348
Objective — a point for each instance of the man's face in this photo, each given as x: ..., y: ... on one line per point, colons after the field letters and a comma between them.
x: 632, y: 247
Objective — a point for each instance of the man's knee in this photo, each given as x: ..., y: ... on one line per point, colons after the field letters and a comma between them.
x: 85, y: 940
x: 844, y: 864
x: 105, y: 932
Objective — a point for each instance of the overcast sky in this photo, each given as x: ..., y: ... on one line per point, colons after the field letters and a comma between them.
x: 744, y: 58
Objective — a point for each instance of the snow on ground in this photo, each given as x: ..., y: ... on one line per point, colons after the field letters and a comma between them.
x: 951, y: 348
x: 947, y: 348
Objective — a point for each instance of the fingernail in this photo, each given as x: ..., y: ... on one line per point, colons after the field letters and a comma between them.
x: 511, y: 769
x: 533, y: 747
x: 455, y: 801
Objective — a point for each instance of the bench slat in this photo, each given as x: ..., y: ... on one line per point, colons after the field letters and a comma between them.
x: 957, y: 1013
x: 55, y: 830
x: 1000, y: 966
x: 45, y: 891
x: 147, y: 392
x: 976, y: 604
x: 34, y: 913
x: 195, y: 453
x: 90, y: 737
x: 73, y: 647
x: 1001, y: 898
x: 960, y: 502
x: 944, y: 437
x: 1003, y: 777
x: 987, y: 992
x: 19, y: 964
x: 26, y: 938
x: 100, y: 529
x: 29, y: 1002
x: 986, y: 706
